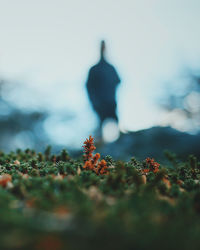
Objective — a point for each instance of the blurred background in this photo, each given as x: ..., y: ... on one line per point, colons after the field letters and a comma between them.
x: 47, y: 48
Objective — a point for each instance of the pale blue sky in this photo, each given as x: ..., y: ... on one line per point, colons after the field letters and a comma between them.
x: 49, y: 45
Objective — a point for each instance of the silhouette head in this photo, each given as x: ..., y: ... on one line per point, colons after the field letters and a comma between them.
x: 103, y: 47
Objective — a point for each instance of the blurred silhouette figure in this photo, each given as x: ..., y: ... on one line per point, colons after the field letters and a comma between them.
x: 101, y: 85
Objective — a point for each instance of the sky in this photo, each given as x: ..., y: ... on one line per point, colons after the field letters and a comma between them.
x: 48, y: 46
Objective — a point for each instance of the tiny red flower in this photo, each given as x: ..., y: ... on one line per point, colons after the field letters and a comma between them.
x: 92, y: 162
x: 4, y: 179
x: 152, y: 165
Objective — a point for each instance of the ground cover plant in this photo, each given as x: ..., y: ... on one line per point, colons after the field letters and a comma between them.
x: 56, y: 202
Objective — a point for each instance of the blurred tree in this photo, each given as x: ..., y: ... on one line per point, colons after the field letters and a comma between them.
x: 182, y: 104
x: 20, y: 128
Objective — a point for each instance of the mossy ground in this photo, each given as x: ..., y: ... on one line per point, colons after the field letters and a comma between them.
x: 52, y: 202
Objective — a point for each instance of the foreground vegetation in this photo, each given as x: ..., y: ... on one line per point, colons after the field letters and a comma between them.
x: 55, y: 202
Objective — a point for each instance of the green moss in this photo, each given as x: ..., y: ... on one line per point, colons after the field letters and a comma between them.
x: 53, y: 200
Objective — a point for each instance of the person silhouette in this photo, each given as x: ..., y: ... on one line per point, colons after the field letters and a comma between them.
x: 101, y: 86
